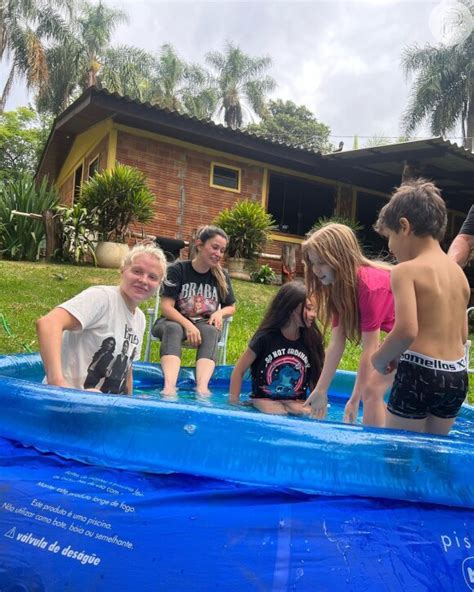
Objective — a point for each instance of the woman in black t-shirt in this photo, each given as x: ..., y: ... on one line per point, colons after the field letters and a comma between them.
x: 196, y: 296
x: 285, y: 355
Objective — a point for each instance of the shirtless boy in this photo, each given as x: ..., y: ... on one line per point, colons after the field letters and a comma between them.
x: 431, y: 296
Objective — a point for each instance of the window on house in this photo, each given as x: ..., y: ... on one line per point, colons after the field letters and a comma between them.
x: 77, y: 183
x: 296, y: 204
x: 225, y: 177
x: 93, y: 168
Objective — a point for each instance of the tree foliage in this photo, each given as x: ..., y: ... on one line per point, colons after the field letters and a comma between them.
x: 241, y: 83
x: 443, y: 89
x: 25, y: 28
x: 284, y: 121
x: 22, y: 138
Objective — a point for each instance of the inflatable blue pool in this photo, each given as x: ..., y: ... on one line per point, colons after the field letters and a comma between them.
x: 194, y: 495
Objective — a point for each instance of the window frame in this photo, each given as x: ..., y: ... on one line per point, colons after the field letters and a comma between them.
x: 230, y: 167
x: 96, y: 159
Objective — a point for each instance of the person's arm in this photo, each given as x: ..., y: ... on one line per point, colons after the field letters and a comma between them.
x: 130, y: 382
x: 217, y: 316
x: 370, y: 343
x: 243, y: 364
x: 169, y: 311
x: 50, y: 333
x: 318, y: 399
x: 461, y: 248
x: 405, y: 330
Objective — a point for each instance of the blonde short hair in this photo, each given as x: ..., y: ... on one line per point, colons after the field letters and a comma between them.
x: 145, y: 248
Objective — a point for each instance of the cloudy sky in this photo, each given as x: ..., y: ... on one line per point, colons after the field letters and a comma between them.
x: 339, y: 58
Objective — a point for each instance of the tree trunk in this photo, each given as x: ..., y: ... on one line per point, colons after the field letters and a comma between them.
x: 53, y: 230
x: 7, y: 89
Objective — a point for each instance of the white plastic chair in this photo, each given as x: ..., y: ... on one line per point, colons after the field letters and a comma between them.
x: 470, y: 368
x: 152, y: 314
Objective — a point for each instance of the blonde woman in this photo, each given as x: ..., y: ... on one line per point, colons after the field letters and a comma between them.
x: 196, y: 297
x: 83, y: 340
x: 352, y: 294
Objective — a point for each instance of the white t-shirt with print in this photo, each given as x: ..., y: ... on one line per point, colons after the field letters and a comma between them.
x: 99, y: 355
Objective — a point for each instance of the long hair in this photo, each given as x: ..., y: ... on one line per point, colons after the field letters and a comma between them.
x: 336, y: 245
x: 203, y: 234
x: 289, y: 297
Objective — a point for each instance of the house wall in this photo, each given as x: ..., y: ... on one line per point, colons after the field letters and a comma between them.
x: 179, y: 176
x: 87, y: 146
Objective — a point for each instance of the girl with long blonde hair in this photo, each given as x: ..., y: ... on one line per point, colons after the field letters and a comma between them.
x: 353, y: 295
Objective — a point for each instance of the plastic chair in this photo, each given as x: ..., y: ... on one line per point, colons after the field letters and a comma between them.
x: 152, y: 314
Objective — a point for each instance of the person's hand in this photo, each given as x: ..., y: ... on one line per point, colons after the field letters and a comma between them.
x: 93, y: 390
x: 193, y: 336
x: 351, y: 410
x: 216, y: 320
x: 318, y: 403
x: 381, y: 365
x: 58, y: 381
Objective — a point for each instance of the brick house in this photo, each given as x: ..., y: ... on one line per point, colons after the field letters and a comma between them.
x: 196, y: 168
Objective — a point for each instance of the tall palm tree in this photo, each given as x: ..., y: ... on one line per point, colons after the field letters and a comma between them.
x: 443, y: 91
x: 75, y: 63
x: 96, y: 25
x: 25, y: 27
x: 239, y: 78
x: 127, y: 71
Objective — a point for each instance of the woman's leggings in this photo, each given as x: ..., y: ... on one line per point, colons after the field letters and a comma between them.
x: 172, y: 335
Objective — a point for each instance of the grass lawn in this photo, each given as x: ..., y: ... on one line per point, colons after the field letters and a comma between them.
x: 29, y: 290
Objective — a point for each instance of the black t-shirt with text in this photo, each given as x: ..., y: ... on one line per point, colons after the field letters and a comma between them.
x: 281, y: 369
x: 196, y: 295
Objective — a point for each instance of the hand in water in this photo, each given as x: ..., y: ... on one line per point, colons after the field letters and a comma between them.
x: 351, y: 411
x: 318, y: 403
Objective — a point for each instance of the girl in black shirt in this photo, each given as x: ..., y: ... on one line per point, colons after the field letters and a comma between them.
x: 285, y: 355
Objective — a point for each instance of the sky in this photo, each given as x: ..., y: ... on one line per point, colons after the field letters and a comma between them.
x: 342, y: 59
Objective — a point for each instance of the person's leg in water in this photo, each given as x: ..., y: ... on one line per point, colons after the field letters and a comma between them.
x: 296, y: 408
x: 206, y: 357
x: 269, y: 406
x: 171, y: 335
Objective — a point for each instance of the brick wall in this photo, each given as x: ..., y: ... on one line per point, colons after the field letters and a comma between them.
x: 179, y: 177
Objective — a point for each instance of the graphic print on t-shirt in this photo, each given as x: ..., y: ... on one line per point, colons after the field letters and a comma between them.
x: 197, y: 301
x: 285, y: 373
x: 114, y: 371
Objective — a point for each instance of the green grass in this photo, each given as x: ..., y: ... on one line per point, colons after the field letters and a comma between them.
x: 29, y: 290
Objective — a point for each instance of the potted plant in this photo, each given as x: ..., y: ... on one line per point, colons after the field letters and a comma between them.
x: 118, y: 198
x: 248, y: 226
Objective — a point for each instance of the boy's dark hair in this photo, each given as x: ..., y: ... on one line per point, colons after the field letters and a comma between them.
x: 420, y: 202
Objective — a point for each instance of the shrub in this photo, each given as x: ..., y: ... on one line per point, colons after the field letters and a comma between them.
x: 78, y: 239
x: 20, y: 236
x: 248, y: 226
x: 265, y: 275
x: 118, y: 198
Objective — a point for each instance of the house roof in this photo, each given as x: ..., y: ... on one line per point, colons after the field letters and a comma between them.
x: 448, y: 165
x: 379, y: 168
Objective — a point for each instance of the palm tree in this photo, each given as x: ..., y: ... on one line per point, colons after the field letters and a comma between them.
x: 127, y: 71
x: 25, y: 26
x: 443, y: 91
x: 180, y: 86
x: 238, y: 78
x: 96, y: 25
x: 74, y: 64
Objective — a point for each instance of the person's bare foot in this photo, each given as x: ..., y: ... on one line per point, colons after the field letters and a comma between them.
x: 168, y: 393
x: 203, y: 392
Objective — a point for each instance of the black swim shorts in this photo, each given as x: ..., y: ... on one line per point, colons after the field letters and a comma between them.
x: 424, y: 386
